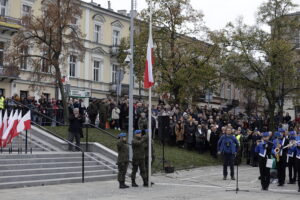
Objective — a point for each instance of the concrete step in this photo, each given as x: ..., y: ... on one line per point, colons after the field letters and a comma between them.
x: 35, y: 149
x: 42, y: 155
x: 46, y: 165
x: 51, y: 170
x: 56, y: 181
x: 42, y: 160
x: 58, y: 175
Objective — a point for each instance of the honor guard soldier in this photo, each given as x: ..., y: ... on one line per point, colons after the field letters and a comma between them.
x: 138, y: 159
x: 281, y: 155
x: 264, y: 150
x: 292, y: 151
x: 123, y: 159
x: 228, y: 147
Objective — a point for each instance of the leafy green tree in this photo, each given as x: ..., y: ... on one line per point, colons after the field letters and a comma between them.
x: 183, y: 64
x: 263, y: 60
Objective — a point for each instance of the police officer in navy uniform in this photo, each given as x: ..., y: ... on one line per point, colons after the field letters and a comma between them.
x: 264, y: 150
x: 298, y: 159
x: 123, y: 159
x: 280, y: 141
x: 292, y: 151
x: 228, y: 147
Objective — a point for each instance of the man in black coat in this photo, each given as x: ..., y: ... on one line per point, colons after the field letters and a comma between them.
x: 189, y: 134
x: 75, y: 128
x: 213, y: 142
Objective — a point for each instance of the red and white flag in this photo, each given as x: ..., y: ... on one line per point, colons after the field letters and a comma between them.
x: 15, y: 133
x: 7, y: 133
x: 1, y: 124
x: 10, y: 118
x: 4, y: 127
x: 25, y: 123
x: 148, y: 75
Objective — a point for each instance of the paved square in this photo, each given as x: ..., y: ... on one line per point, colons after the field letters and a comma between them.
x: 202, y: 183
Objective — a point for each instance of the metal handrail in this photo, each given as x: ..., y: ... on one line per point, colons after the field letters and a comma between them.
x: 62, y: 124
x: 39, y: 113
x: 102, y: 130
x: 70, y: 143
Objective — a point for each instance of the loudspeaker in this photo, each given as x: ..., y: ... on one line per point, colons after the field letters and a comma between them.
x: 164, y: 128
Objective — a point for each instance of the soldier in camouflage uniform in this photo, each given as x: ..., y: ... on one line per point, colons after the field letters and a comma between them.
x: 123, y: 159
x: 138, y: 159
x: 143, y: 122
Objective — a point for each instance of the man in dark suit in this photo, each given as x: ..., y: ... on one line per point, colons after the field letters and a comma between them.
x: 75, y: 128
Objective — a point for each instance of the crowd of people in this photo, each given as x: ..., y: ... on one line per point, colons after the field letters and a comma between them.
x: 198, y: 128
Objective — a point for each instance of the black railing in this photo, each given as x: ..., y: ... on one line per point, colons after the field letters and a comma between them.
x: 68, y: 142
x: 87, y: 125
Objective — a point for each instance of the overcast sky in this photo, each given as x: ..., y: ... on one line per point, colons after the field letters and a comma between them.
x: 216, y: 12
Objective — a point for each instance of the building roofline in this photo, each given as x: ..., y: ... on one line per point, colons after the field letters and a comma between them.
x: 107, y: 11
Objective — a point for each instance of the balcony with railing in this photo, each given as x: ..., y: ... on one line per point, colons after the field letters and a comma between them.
x: 9, y: 25
x: 9, y: 72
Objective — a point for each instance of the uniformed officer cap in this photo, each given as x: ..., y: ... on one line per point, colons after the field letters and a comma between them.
x: 292, y: 133
x: 137, y: 132
x: 122, y: 135
x: 265, y: 134
x: 277, y: 134
x: 281, y: 130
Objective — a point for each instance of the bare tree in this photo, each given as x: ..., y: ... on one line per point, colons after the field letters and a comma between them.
x: 52, y: 37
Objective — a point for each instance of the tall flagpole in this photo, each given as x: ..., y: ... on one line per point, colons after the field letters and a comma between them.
x: 131, y: 81
x: 150, y: 112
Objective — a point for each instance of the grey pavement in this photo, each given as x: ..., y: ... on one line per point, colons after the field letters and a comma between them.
x: 201, y: 183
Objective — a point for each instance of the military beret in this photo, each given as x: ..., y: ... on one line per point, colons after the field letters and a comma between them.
x: 277, y: 134
x: 281, y: 130
x: 122, y: 135
x: 265, y: 134
x: 137, y: 132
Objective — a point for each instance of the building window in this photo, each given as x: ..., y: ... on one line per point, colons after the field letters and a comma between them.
x: 3, y: 7
x: 1, y: 54
x: 26, y: 10
x: 74, y: 21
x: 45, y: 66
x: 2, y: 92
x: 97, y: 71
x: 72, y: 66
x: 114, y: 74
x: 23, y: 94
x: 97, y: 33
x: 116, y: 37
x: 23, y: 60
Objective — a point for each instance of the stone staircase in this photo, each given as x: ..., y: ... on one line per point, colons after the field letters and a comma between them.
x: 18, y: 145
x: 49, y: 165
x: 52, y: 168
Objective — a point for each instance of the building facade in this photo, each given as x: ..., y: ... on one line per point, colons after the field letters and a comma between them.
x: 95, y: 76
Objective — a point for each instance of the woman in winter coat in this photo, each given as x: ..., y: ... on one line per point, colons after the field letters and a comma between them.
x: 115, y: 116
x: 179, y: 132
